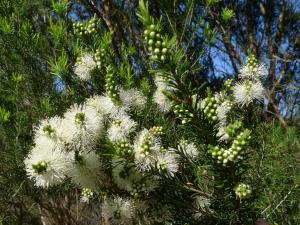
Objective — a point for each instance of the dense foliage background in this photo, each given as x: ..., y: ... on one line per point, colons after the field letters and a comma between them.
x: 39, y: 49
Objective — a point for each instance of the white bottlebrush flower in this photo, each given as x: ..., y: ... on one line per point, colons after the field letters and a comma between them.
x: 222, y: 111
x: 167, y: 162
x: 189, y: 148
x: 49, y: 128
x: 81, y: 125
x: 46, y: 164
x: 118, y: 210
x: 84, y: 66
x: 161, y: 100
x: 253, y: 72
x: 248, y: 91
x: 159, y: 97
x: 124, y: 174
x: 145, y: 148
x: 85, y: 170
x: 128, y: 178
x: 104, y: 105
x: 132, y: 99
x: 202, y: 206
x: 121, y: 126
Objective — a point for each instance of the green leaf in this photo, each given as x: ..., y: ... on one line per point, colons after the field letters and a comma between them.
x: 60, y: 67
x: 227, y: 14
x: 4, y: 115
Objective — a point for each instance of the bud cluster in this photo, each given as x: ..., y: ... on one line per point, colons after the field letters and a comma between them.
x: 156, y: 46
x: 252, y: 63
x: 80, y: 118
x: 87, y: 193
x: 232, y: 129
x: 155, y: 131
x: 243, y: 190
x: 86, y: 28
x: 40, y: 167
x: 138, y: 188
x: 183, y: 143
x: 232, y: 154
x: 210, y: 108
x: 124, y: 148
x: 146, y: 144
x: 99, y: 56
x: 228, y: 84
x: 111, y: 86
x: 182, y: 113
x: 49, y: 131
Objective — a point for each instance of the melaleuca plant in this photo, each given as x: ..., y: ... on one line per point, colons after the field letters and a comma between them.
x: 172, y: 154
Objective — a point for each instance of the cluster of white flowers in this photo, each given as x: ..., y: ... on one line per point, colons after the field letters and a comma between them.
x: 84, y: 66
x: 59, y: 141
x: 64, y: 147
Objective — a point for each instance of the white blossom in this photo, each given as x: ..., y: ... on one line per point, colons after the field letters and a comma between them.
x: 246, y: 92
x: 145, y: 151
x: 222, y: 111
x: 49, y: 128
x: 84, y: 66
x: 167, y: 162
x: 104, y: 105
x: 81, y: 125
x: 121, y: 126
x: 128, y: 178
x: 132, y: 99
x: 119, y: 210
x: 189, y: 149
x: 161, y: 100
x: 85, y: 170
x: 254, y: 73
x: 159, y: 96
x: 46, y: 164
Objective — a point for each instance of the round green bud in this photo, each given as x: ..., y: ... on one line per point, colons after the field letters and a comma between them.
x: 150, y: 42
x: 152, y: 34
x: 157, y: 51
x: 158, y: 43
